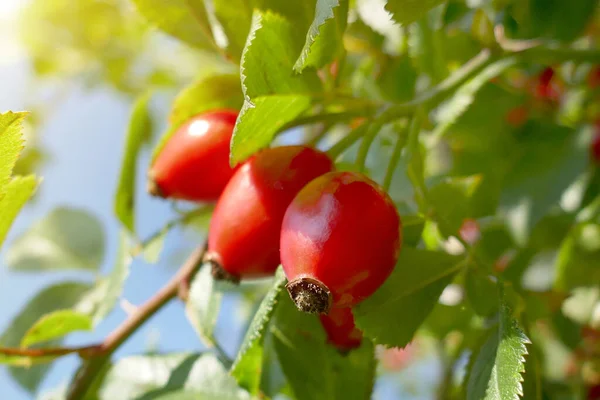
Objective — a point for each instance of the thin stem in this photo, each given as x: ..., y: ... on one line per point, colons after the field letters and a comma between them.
x: 347, y: 141
x: 48, y: 352
x: 395, y: 158
x: 85, y: 377
x: 181, y: 220
x: 367, y: 141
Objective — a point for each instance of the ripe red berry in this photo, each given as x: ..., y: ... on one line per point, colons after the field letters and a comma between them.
x: 340, y: 240
x: 340, y: 328
x: 243, y: 240
x: 593, y: 392
x: 547, y: 88
x: 194, y: 164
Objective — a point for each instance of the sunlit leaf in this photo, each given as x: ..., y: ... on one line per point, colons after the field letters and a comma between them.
x: 16, y: 193
x: 11, y: 144
x: 57, y: 297
x: 324, y: 40
x: 186, y: 20
x: 56, y: 325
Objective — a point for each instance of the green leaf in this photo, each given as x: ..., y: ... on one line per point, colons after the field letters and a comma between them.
x: 100, y: 301
x: 261, y: 119
x: 426, y: 49
x: 11, y: 144
x: 449, y: 112
x: 16, y: 193
x: 496, y: 372
x: 186, y: 20
x: 451, y: 214
x: 480, y: 290
x: 268, y: 59
x: 324, y: 40
x: 313, y: 368
x: 392, y: 315
x: 204, y: 303
x: 548, y: 159
x: 407, y: 11
x: 56, y: 325
x: 66, y: 238
x: 208, y: 93
x: 235, y: 17
x: 139, y: 132
x: 248, y: 363
x: 170, y: 376
x: 57, y: 297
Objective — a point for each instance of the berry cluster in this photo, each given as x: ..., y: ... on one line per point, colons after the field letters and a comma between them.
x: 337, y: 234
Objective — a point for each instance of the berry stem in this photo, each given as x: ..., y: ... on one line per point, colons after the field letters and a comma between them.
x: 347, y: 141
x: 366, y: 143
x: 395, y: 158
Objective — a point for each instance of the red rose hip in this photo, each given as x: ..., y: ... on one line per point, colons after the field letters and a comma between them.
x: 194, y: 163
x: 340, y: 328
x: 340, y: 240
x: 243, y: 239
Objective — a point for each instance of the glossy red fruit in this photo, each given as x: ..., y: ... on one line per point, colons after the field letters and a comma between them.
x: 243, y: 239
x: 340, y: 328
x: 194, y: 164
x: 546, y: 87
x: 594, y: 393
x: 340, y: 240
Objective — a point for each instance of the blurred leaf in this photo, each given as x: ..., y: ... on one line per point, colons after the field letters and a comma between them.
x: 247, y: 365
x: 452, y: 109
x: 397, y: 79
x: 426, y: 50
x: 451, y: 214
x: 496, y: 372
x: 187, y: 20
x: 482, y: 28
x: 481, y: 292
x: 407, y: 11
x: 206, y: 94
x: 577, y: 260
x: 445, y: 319
x: 548, y: 159
x: 235, y: 17
x: 581, y: 304
x: 261, y: 119
x: 11, y: 144
x: 324, y: 40
x: 139, y: 133
x: 313, y: 368
x: 56, y: 325
x: 552, y: 19
x: 392, y: 315
x: 15, y: 195
x: 100, y: 301
x: 169, y: 376
x: 203, y: 304
x: 66, y: 238
x: 57, y: 297
x: 152, y: 249
x: 412, y: 228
